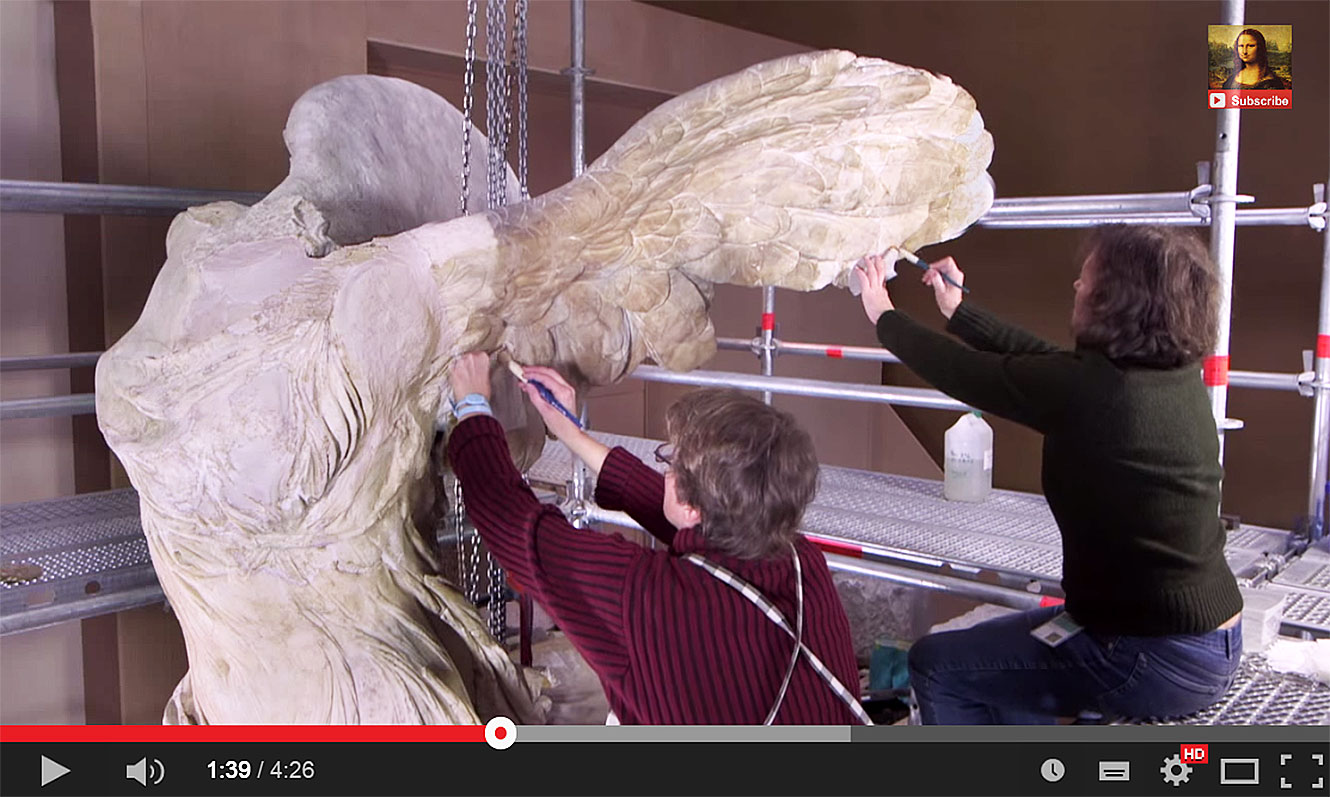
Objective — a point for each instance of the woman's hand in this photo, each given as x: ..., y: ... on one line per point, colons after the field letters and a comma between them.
x: 555, y: 421
x: 948, y: 296
x: 584, y: 446
x: 470, y: 374
x: 872, y: 276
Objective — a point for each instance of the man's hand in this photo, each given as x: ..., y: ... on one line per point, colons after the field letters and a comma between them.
x: 470, y: 374
x: 948, y: 296
x: 872, y: 276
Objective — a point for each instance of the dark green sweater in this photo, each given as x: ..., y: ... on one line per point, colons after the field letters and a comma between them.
x: 1131, y: 467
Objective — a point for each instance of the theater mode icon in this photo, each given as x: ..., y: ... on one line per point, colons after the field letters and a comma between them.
x: 1218, y: 99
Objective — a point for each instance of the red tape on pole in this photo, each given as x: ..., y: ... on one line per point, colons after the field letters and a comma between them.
x: 1048, y: 600
x: 835, y: 352
x: 836, y: 546
x: 768, y: 321
x: 1323, y: 345
x: 1216, y: 370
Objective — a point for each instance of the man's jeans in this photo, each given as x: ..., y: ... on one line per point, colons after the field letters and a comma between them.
x: 996, y: 673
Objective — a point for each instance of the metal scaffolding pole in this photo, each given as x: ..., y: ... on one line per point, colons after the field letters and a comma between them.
x: 1223, y: 208
x: 966, y: 588
x: 789, y: 386
x: 831, y: 351
x: 1321, y: 415
x: 84, y: 403
x: 1253, y: 217
x: 1096, y: 204
x: 767, y: 350
x: 48, y: 407
x: 27, y: 196
x: 43, y: 362
x: 30, y: 196
x: 577, y: 73
x: 1262, y: 380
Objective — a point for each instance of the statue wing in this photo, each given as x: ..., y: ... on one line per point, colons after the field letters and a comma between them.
x: 783, y: 174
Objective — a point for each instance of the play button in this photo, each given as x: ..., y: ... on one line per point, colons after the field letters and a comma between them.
x: 52, y: 771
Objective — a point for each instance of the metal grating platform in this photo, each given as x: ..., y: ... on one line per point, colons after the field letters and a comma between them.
x: 1262, y: 696
x: 1311, y: 572
x: 1306, y: 609
x: 92, y: 552
x: 1010, y: 532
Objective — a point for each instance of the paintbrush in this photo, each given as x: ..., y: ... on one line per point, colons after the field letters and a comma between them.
x: 543, y: 391
x: 915, y: 260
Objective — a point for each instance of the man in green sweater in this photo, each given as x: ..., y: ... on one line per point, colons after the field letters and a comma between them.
x: 1131, y: 473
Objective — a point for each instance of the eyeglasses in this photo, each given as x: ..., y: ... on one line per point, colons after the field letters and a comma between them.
x: 665, y: 454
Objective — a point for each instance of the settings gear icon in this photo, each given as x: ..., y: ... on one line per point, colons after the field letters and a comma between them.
x: 1174, y: 771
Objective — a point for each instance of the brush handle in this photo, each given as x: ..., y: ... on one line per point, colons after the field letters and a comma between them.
x: 919, y: 262
x: 553, y: 402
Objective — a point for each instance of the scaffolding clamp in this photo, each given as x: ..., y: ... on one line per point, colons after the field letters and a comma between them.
x: 1316, y: 212
x: 1198, y: 199
x: 758, y: 345
x: 575, y: 507
x: 1308, y: 384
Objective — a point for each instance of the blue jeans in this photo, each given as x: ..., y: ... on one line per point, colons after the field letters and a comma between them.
x: 996, y: 673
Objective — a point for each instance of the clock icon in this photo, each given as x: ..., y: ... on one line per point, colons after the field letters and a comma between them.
x: 1053, y: 770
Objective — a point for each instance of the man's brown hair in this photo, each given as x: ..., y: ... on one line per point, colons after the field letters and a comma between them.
x: 1153, y: 300
x: 748, y: 468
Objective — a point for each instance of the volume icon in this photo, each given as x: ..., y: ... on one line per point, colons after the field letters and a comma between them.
x: 144, y: 770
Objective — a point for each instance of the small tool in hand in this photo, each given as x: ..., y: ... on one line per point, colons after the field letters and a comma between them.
x: 913, y: 259
x: 544, y: 392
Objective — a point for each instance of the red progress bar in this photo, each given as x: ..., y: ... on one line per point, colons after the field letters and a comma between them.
x: 242, y: 733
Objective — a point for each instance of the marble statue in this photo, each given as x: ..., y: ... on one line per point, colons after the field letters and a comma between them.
x: 276, y: 402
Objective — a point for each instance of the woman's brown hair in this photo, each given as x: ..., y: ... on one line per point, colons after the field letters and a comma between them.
x: 1153, y: 297
x: 748, y: 468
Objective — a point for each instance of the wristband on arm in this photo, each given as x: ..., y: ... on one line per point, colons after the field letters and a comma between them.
x: 471, y: 404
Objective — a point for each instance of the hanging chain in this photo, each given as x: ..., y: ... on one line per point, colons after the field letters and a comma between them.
x: 519, y: 45
x: 468, y: 100
x: 497, y: 119
x: 468, y: 554
x: 467, y: 567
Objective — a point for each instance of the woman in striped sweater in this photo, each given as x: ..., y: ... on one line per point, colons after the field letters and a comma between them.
x: 702, y: 631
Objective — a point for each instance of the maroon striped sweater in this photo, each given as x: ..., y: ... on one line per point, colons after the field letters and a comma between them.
x: 670, y: 643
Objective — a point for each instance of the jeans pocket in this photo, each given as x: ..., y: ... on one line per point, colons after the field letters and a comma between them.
x: 1138, y: 668
x: 1190, y: 676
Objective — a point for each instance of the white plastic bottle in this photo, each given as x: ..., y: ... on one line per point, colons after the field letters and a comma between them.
x: 968, y: 467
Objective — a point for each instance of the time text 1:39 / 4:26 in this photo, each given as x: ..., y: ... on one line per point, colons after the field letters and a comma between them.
x: 243, y: 770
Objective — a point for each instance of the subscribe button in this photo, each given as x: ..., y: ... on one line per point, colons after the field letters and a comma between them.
x: 1239, y: 98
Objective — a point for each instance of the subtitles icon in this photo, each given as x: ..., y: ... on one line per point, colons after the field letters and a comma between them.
x: 1115, y: 770
x: 1218, y: 99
